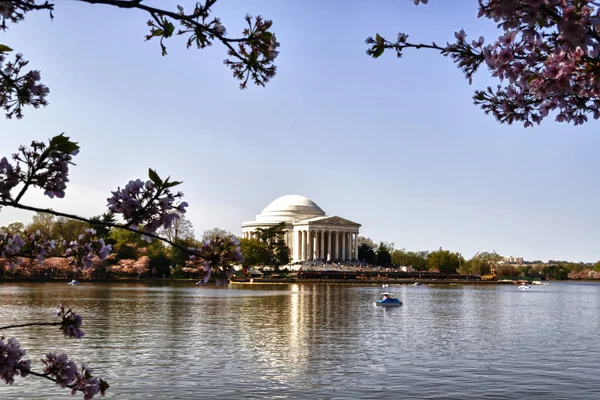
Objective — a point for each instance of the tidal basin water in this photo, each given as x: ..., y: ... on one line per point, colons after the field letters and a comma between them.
x: 181, y: 341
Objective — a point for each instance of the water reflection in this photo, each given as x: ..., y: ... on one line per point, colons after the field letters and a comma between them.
x: 320, y: 341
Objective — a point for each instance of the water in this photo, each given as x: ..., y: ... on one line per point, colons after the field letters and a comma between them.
x: 318, y: 341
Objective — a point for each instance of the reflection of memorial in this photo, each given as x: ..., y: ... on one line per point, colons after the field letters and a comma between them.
x: 277, y: 340
x: 304, y: 335
x: 310, y: 234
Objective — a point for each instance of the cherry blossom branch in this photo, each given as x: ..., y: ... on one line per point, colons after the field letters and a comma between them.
x: 30, y: 324
x: 547, y: 59
x: 250, y: 56
x: 27, y: 371
x: 91, y: 222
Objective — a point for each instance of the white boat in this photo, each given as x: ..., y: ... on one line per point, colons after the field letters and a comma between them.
x: 524, y: 287
x: 416, y: 284
x: 385, y: 285
x: 387, y: 299
x: 74, y: 282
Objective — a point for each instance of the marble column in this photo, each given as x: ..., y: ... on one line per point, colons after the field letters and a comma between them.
x: 322, y: 252
x: 336, y: 251
x: 329, y: 256
x: 303, y: 245
x: 343, y: 245
x: 349, y: 245
x: 310, y: 244
x: 296, y: 246
x: 356, y: 246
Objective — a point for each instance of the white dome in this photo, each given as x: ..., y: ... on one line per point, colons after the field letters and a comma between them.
x: 290, y: 208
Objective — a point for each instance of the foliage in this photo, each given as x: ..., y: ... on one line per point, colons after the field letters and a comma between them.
x: 180, y: 230
x: 481, y: 263
x: 278, y: 252
x: 160, y: 265
x: 66, y: 230
x: 179, y: 256
x: 414, y: 259
x: 14, y: 228
x: 254, y: 251
x: 384, y: 254
x: 546, y: 59
x: 445, y: 261
x: 366, y: 250
x: 102, y: 224
x: 44, y: 223
x: 216, y: 232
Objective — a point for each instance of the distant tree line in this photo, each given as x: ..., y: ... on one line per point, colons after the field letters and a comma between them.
x: 134, y: 257
x: 482, y: 263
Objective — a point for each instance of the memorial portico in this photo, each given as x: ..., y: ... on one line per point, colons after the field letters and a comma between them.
x: 310, y: 233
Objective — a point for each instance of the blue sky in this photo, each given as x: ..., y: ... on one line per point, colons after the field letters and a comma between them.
x: 396, y: 145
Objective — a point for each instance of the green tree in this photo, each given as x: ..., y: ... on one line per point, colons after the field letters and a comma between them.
x: 103, y: 231
x: 366, y: 250
x: 14, y: 228
x: 66, y: 229
x: 42, y: 222
x: 414, y: 259
x: 254, y: 251
x: 383, y: 254
x: 177, y: 256
x: 278, y: 252
x: 399, y: 257
x: 445, y: 261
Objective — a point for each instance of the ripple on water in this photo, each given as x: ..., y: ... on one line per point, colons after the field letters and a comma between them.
x: 319, y: 341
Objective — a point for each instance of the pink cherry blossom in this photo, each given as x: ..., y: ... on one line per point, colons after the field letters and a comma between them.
x: 545, y: 60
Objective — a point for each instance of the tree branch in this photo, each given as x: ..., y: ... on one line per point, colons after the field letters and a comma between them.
x: 137, y: 4
x: 29, y: 7
x: 30, y: 324
x: 91, y: 222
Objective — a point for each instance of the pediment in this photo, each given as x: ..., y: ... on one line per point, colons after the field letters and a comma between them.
x: 332, y: 220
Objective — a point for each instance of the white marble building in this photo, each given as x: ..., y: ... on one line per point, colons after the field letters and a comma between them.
x: 310, y: 233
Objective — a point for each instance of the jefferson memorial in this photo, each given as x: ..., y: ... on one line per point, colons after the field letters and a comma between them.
x: 310, y: 233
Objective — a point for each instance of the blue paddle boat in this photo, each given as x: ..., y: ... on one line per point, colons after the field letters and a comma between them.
x: 387, y: 299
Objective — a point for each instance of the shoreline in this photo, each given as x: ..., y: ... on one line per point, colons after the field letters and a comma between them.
x: 287, y: 281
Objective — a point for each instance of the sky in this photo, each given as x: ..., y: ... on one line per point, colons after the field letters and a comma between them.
x: 393, y: 144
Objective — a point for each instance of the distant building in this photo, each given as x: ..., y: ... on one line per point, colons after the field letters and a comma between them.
x: 513, y: 260
x: 310, y: 233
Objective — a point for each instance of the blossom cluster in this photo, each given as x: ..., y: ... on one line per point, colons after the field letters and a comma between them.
x: 66, y: 374
x: 137, y: 267
x: 70, y: 322
x: 250, y: 57
x: 44, y: 165
x: 85, y: 249
x: 12, y: 247
x: 260, y: 50
x: 38, y: 246
x: 545, y: 59
x: 11, y: 360
x: 147, y: 206
x: 217, y: 254
x: 9, y: 178
x: 19, y: 88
